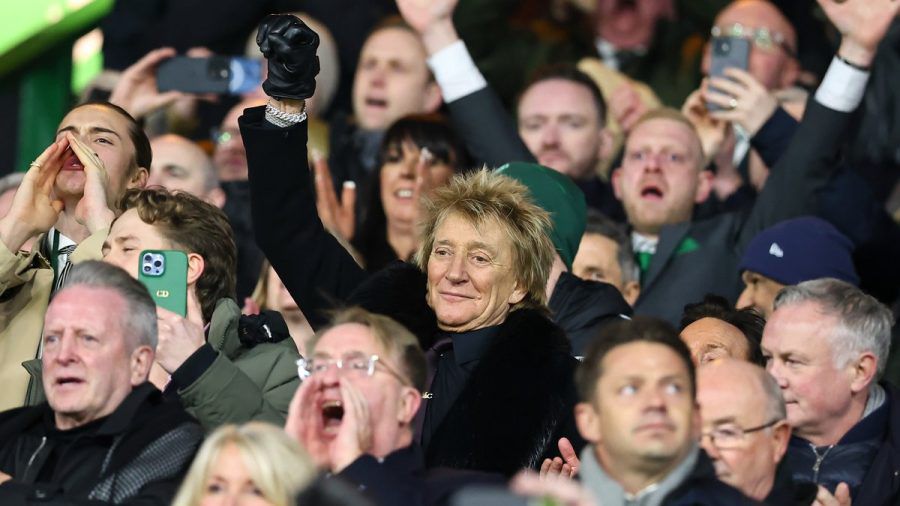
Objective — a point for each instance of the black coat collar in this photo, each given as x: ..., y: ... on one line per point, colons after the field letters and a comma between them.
x: 18, y: 420
x: 518, y: 398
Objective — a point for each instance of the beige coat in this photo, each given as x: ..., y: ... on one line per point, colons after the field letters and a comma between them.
x: 26, y: 281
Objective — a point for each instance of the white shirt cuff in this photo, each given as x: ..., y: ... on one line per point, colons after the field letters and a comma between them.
x: 843, y: 87
x: 455, y: 72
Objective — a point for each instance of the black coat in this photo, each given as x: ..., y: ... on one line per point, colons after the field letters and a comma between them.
x: 138, y: 455
x: 873, y: 465
x: 789, y: 492
x: 582, y: 307
x: 881, y: 485
x: 518, y: 401
x: 401, y: 478
x: 703, y: 488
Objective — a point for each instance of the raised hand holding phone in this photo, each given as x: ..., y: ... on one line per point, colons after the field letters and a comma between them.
x: 727, y: 52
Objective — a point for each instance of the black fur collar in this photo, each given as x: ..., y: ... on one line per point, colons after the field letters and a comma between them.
x: 517, y: 403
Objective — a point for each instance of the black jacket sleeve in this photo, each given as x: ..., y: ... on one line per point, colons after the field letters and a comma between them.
x: 312, y: 264
x: 773, y: 139
x: 794, y: 182
x: 486, y: 128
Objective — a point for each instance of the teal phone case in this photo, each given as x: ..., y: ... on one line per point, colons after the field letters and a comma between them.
x: 164, y: 273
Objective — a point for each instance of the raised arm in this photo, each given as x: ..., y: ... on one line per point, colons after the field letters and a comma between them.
x: 315, y: 268
x: 476, y: 111
x: 811, y: 158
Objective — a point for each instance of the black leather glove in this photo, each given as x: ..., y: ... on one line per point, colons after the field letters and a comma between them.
x: 290, y: 46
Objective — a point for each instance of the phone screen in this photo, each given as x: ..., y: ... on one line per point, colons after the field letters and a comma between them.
x: 246, y: 75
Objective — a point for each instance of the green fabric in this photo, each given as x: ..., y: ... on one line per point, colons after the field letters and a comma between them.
x: 687, y: 245
x: 643, y: 259
x: 35, y: 393
x: 558, y: 195
x: 44, y: 99
x: 242, y: 384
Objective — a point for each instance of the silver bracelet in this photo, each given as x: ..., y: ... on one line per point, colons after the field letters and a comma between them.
x: 283, y: 119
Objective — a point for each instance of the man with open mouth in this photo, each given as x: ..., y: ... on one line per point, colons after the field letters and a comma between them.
x: 105, y: 435
x: 354, y: 411
x: 391, y: 81
x: 65, y: 204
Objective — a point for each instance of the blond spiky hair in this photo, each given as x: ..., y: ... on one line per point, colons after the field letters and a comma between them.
x: 484, y: 196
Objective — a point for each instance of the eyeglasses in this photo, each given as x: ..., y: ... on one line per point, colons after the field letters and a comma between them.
x: 729, y: 435
x: 357, y: 364
x: 763, y: 38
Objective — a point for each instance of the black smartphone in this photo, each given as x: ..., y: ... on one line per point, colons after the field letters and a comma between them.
x: 215, y: 74
x: 727, y: 52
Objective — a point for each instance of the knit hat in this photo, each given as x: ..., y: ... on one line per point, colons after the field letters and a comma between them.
x: 799, y: 250
x: 557, y: 194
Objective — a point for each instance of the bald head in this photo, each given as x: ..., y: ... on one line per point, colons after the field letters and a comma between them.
x: 744, y: 383
x: 179, y: 164
x: 759, y: 14
x: 774, y: 66
x: 742, y: 407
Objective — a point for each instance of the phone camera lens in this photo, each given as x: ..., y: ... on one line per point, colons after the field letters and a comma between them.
x: 146, y: 268
x: 157, y: 263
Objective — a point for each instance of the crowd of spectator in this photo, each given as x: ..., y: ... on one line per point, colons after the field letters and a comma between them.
x: 465, y: 252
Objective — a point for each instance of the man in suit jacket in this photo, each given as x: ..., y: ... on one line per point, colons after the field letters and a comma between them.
x: 662, y: 176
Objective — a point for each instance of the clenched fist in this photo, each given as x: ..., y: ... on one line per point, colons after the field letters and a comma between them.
x: 290, y: 47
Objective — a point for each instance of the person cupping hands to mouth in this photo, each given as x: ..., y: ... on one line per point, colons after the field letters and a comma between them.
x: 361, y: 389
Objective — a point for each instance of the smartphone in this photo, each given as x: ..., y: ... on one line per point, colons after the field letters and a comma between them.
x: 164, y: 273
x: 222, y: 75
x: 727, y: 52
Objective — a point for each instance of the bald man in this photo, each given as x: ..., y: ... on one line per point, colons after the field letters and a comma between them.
x: 746, y: 433
x: 181, y: 165
x: 773, y: 40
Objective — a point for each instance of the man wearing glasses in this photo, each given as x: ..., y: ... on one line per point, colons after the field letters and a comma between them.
x: 746, y: 433
x: 748, y: 98
x: 773, y: 60
x: 362, y: 386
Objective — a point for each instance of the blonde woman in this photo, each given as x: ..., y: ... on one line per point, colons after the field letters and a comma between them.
x: 255, y: 464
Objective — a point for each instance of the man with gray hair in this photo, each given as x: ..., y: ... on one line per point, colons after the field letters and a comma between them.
x: 826, y: 344
x: 104, y: 435
x: 746, y: 432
